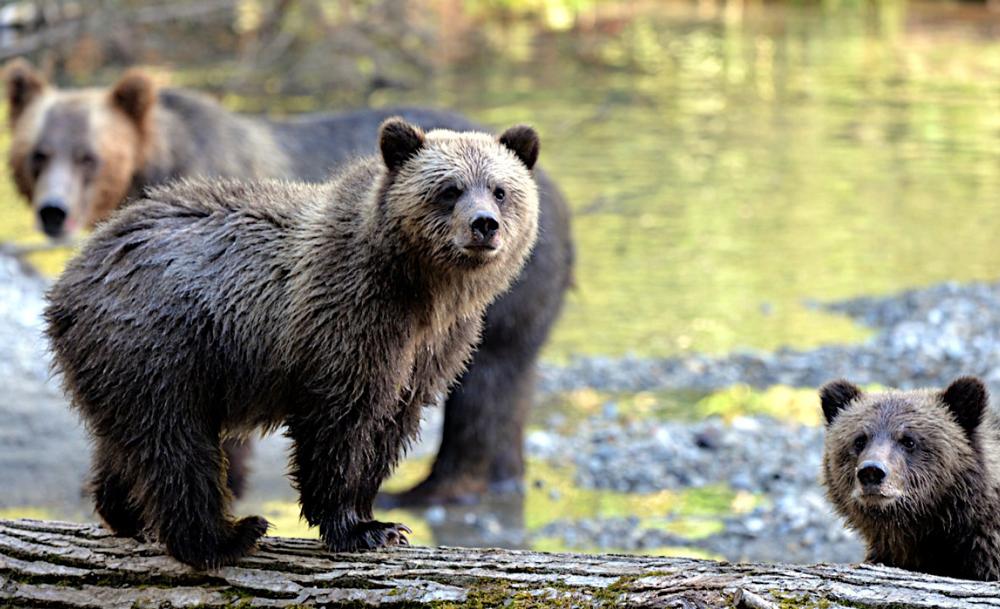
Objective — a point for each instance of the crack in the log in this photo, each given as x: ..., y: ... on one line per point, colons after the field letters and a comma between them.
x: 98, y: 545
x: 101, y: 577
x: 897, y: 579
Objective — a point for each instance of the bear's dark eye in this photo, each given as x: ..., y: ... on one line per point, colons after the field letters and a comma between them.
x: 860, y: 442
x: 499, y: 194
x: 87, y: 160
x: 908, y: 442
x: 450, y: 194
x: 38, y: 160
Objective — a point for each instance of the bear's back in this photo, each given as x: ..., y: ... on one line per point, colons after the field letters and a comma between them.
x: 194, y: 234
x: 207, y: 260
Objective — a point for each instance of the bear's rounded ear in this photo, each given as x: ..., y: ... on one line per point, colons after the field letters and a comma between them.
x: 522, y: 140
x: 835, y: 396
x: 135, y: 95
x: 398, y: 140
x: 966, y: 398
x: 24, y: 84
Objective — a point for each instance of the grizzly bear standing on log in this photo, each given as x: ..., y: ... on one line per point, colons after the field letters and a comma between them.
x: 212, y: 309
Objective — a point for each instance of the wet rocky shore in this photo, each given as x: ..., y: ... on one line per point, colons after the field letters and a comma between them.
x: 922, y: 337
x: 775, y: 462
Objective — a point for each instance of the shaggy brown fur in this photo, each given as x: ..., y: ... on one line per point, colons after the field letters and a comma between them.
x: 916, y: 474
x: 210, y: 310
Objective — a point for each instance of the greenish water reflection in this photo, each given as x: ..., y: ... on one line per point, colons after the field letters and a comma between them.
x: 551, y: 495
x: 724, y: 169
x: 780, y: 402
x: 735, y: 169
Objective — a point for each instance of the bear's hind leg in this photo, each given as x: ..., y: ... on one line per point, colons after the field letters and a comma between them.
x: 112, y: 493
x: 185, y: 498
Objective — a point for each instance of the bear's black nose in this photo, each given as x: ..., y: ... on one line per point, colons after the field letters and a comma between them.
x: 872, y: 473
x: 484, y: 226
x: 53, y: 214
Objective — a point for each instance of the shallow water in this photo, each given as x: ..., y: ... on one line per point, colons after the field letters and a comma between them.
x: 48, y: 486
x: 723, y: 167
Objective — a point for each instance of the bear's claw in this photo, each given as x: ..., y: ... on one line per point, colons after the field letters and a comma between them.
x: 373, y: 535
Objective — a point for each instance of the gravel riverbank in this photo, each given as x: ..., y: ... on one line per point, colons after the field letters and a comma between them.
x: 924, y: 337
x: 776, y: 462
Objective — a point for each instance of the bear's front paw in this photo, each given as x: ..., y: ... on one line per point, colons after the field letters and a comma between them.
x: 372, y: 535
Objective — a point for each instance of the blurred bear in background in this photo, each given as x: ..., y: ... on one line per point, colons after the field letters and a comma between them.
x: 76, y: 155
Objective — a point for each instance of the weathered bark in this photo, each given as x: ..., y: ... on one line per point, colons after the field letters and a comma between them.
x: 55, y: 564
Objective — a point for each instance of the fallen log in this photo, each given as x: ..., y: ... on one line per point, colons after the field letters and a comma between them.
x: 58, y: 564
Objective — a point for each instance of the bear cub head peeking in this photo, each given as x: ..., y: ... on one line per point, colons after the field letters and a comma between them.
x: 916, y: 474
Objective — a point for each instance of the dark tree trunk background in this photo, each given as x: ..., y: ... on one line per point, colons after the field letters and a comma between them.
x: 56, y: 564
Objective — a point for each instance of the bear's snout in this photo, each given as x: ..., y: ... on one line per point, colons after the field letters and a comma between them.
x: 484, y: 227
x: 872, y: 473
x: 52, y: 215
